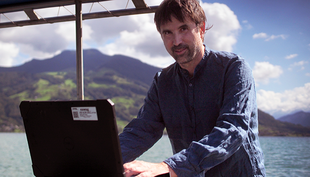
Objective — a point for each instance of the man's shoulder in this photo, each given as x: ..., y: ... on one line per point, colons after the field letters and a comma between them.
x: 223, y: 58
x: 223, y: 55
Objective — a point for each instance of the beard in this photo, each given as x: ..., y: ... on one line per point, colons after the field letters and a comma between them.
x: 187, y: 56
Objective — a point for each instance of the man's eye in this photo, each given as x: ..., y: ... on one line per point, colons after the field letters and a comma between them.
x: 166, y: 32
x: 183, y: 29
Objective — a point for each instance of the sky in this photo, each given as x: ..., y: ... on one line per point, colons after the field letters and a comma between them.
x: 272, y: 36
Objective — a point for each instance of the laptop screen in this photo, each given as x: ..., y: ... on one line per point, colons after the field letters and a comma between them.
x: 72, y: 138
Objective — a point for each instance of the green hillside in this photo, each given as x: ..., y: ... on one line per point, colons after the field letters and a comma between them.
x: 15, y: 87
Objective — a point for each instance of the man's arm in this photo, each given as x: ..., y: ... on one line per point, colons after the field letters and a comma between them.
x: 144, y: 131
x: 140, y: 134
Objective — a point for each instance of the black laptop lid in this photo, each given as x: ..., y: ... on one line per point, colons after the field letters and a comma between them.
x: 72, y: 138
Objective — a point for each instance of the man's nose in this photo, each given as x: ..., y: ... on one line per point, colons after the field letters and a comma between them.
x: 177, y: 39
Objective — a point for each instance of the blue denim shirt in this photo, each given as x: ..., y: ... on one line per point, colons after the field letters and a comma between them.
x: 210, y: 118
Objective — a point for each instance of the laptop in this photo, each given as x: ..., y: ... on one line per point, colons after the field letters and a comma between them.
x: 72, y: 138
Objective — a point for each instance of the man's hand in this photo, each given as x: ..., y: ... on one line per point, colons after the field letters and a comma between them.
x: 146, y: 169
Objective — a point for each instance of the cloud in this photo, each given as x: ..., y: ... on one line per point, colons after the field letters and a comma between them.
x: 260, y: 35
x: 247, y: 24
x: 285, y: 102
x: 300, y: 64
x: 38, y: 41
x: 291, y: 56
x: 8, y: 51
x: 268, y: 37
x: 40, y: 37
x: 264, y: 71
x: 67, y: 31
x: 223, y: 34
x: 144, y: 42
x: 272, y: 37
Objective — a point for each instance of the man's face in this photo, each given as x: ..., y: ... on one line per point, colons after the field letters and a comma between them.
x: 183, y: 40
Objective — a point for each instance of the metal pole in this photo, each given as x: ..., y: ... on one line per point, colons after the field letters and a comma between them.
x: 79, y: 51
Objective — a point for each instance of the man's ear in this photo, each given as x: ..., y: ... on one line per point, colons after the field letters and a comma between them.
x: 202, y: 30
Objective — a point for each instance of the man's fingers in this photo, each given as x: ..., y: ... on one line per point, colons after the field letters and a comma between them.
x: 129, y: 173
x: 132, y: 168
x: 144, y: 169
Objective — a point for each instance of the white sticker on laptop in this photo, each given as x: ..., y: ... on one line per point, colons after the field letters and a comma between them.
x: 84, y: 113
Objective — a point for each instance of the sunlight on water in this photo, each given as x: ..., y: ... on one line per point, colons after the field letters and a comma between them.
x: 284, y: 156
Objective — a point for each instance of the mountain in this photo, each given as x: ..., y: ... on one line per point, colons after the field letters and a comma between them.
x: 269, y: 126
x: 123, y: 79
x: 94, y: 60
x: 301, y: 118
x: 64, y: 61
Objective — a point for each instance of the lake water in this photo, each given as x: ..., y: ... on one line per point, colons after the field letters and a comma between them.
x: 284, y: 156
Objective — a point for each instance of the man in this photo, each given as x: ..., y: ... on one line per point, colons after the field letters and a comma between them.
x: 206, y: 101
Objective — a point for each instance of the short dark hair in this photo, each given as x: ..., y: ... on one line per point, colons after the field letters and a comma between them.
x: 180, y: 9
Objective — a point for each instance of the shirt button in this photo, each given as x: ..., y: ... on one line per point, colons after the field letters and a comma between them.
x: 190, y: 84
